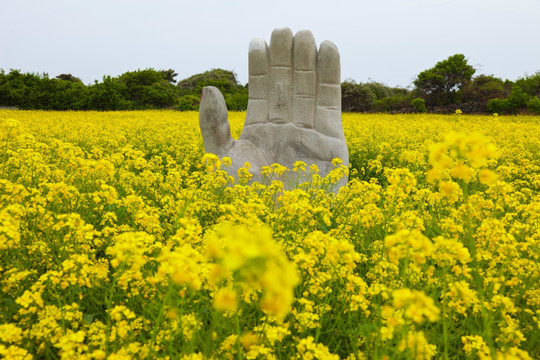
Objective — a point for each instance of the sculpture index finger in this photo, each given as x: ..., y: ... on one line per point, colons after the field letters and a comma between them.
x: 328, y: 112
x: 258, y: 63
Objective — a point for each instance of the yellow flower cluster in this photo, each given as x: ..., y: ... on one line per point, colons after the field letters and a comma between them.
x: 121, y: 239
x: 254, y: 262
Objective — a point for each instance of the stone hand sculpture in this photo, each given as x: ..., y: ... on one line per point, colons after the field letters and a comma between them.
x: 294, y: 108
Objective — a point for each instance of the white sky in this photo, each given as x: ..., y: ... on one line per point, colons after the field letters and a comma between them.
x: 388, y: 41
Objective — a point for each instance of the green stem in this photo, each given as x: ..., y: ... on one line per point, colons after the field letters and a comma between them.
x: 445, y: 331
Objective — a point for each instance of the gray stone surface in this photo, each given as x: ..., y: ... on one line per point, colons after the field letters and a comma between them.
x: 294, y: 108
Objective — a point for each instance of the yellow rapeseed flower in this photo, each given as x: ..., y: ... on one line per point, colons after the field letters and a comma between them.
x: 417, y: 306
x: 226, y: 300
x: 417, y: 346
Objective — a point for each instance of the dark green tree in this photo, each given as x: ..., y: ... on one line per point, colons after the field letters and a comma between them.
x: 169, y: 75
x: 442, y: 84
x: 149, y: 88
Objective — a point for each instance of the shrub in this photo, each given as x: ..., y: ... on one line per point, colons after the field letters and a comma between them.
x: 148, y: 88
x: 393, y: 103
x: 21, y: 90
x: 108, y: 95
x: 237, y: 101
x: 513, y: 102
x: 159, y: 95
x: 534, y: 105
x: 530, y: 84
x: 188, y: 103
x: 497, y: 105
x: 516, y: 99
x: 419, y: 105
x: 356, y: 97
x: 484, y: 88
x: 224, y: 80
x: 382, y: 91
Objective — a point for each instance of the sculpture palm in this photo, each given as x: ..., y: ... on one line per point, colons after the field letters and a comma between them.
x: 294, y: 108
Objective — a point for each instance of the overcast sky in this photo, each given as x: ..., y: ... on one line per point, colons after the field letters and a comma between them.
x: 388, y: 41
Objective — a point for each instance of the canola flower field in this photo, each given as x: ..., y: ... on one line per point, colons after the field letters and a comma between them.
x: 121, y: 239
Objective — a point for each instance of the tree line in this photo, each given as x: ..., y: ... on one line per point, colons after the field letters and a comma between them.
x: 133, y: 90
x: 445, y: 87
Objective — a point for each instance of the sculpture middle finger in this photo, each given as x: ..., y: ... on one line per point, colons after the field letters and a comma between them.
x: 304, y: 79
x: 281, y: 76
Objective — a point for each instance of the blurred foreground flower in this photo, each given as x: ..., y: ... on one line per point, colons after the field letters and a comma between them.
x: 257, y: 262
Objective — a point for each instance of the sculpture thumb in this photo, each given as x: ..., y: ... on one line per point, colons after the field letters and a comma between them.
x: 213, y: 121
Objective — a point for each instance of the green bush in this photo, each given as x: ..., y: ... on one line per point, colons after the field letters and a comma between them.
x: 159, y: 96
x: 224, y: 80
x: 21, y: 90
x: 356, y: 97
x: 108, y: 95
x: 65, y: 95
x: 393, y: 103
x: 517, y: 99
x: 484, y: 88
x: 188, y: 103
x: 419, y: 105
x: 534, y: 105
x: 237, y: 101
x: 382, y: 91
x: 149, y: 88
x: 530, y: 84
x: 497, y: 105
